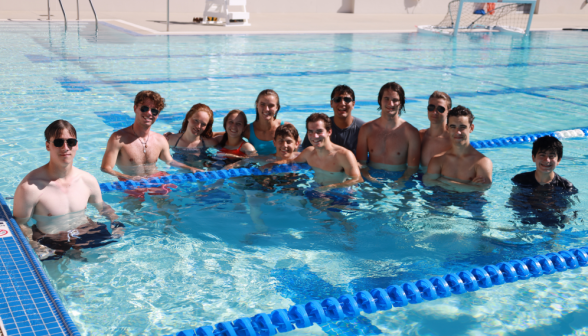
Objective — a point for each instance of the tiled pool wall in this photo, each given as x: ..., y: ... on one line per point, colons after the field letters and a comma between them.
x: 29, y: 305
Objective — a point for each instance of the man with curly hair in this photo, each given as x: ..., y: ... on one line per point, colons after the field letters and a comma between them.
x: 136, y: 149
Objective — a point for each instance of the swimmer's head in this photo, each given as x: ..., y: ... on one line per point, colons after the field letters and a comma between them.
x: 267, y: 104
x: 55, y: 129
x: 461, y: 111
x: 318, y: 117
x: 548, y: 145
x: 286, y: 141
x: 439, y: 106
x: 342, y: 89
x: 235, y: 120
x: 394, y: 87
x: 61, y: 142
x: 152, y: 95
x: 342, y: 101
x: 287, y: 130
x: 441, y: 95
x: 207, y: 132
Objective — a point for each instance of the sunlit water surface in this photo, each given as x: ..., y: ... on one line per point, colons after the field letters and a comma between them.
x: 207, y: 253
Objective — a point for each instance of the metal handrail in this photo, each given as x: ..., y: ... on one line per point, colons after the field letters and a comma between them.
x: 95, y: 17
x: 64, y: 17
x: 78, y: 10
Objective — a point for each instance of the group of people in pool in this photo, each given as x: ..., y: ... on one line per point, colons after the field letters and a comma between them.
x: 340, y: 149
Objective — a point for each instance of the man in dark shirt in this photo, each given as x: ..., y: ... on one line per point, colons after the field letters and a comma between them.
x: 345, y: 127
x: 542, y: 196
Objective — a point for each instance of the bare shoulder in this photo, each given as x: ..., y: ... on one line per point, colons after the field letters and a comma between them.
x: 368, y: 126
x: 173, y: 137
x: 423, y: 132
x: 248, y: 147
x: 35, y: 180
x: 343, y: 152
x: 88, y: 178
x: 409, y: 129
x: 159, y: 138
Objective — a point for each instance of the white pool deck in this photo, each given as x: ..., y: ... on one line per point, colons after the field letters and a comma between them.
x: 154, y: 23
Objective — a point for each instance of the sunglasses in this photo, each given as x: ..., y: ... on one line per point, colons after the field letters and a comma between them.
x: 70, y: 142
x: 154, y: 111
x: 431, y: 108
x: 346, y: 99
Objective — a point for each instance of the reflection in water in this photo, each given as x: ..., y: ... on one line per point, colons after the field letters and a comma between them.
x: 73, y: 231
x: 545, y: 205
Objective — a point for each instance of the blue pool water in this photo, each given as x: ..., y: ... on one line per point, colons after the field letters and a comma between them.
x: 217, y: 252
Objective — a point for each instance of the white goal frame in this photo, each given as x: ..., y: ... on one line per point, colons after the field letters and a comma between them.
x: 531, y: 13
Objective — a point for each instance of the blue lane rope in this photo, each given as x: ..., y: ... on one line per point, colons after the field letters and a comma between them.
x: 517, y: 139
x: 319, y: 312
x: 222, y: 174
x: 204, y: 176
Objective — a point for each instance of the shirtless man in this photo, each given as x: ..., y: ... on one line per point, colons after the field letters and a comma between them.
x: 334, y: 166
x: 462, y: 168
x: 56, y: 196
x: 392, y: 143
x: 435, y: 139
x: 135, y: 149
x: 345, y: 127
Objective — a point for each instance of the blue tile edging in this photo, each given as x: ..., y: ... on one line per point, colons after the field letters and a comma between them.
x: 38, y: 269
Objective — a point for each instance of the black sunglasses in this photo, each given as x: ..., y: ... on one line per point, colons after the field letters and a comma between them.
x: 346, y: 99
x: 70, y: 142
x: 431, y: 108
x: 154, y: 111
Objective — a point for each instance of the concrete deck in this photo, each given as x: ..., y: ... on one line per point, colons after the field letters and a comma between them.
x: 150, y: 23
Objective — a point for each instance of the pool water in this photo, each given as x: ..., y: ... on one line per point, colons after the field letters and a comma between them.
x: 212, y: 252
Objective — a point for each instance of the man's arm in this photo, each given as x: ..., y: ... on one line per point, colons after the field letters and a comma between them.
x: 248, y: 149
x: 302, y: 158
x: 25, y: 200
x: 165, y: 156
x: 351, y: 168
x: 110, y: 156
x: 482, y: 181
x: 431, y: 178
x: 361, y: 153
x: 414, y: 154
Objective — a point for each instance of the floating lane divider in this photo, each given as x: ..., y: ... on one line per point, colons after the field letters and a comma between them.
x: 222, y: 174
x: 349, y: 306
x: 513, y: 140
x: 204, y: 176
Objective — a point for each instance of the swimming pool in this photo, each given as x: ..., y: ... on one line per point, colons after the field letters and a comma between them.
x: 211, y: 253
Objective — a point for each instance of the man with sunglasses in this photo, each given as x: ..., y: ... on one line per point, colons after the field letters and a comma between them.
x: 435, y: 139
x: 392, y: 143
x: 345, y: 127
x: 56, y: 196
x: 136, y: 149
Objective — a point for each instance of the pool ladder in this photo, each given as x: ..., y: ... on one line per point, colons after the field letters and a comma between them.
x: 78, y: 10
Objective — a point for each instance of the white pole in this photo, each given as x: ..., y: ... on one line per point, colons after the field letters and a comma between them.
x: 167, y: 15
x: 48, y: 11
x: 531, y: 17
x: 456, y: 28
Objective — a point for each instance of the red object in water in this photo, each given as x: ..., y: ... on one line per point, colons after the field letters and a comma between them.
x: 490, y: 6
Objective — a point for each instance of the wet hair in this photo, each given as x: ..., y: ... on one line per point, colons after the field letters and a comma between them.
x: 317, y: 117
x: 286, y: 130
x: 55, y: 129
x: 267, y: 92
x: 225, y: 138
x: 461, y: 111
x: 147, y: 94
x: 197, y: 108
x: 546, y: 143
x: 396, y: 88
x: 442, y: 95
x: 343, y: 89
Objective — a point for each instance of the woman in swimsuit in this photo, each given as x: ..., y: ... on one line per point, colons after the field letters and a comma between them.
x: 232, y: 143
x: 261, y: 132
x: 195, y: 136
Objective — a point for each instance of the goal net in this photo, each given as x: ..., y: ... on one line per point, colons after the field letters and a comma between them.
x: 473, y: 15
